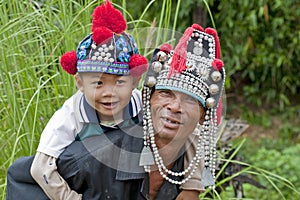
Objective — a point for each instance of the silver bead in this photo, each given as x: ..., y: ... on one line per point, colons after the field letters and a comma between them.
x: 210, y: 102
x: 161, y: 56
x: 93, y: 46
x: 213, y: 89
x: 151, y: 81
x: 216, y: 76
x: 111, y: 47
x: 197, y: 51
x: 156, y: 66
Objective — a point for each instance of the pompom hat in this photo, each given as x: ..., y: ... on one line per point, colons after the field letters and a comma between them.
x: 108, y: 49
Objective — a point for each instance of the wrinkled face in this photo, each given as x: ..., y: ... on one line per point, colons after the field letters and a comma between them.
x: 175, y: 115
x: 108, y: 94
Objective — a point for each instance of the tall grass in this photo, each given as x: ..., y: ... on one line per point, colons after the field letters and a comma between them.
x: 33, y: 35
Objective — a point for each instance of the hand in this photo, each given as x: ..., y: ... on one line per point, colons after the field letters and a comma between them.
x: 188, y: 195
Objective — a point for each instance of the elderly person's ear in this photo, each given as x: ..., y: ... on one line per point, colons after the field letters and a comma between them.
x: 202, y: 117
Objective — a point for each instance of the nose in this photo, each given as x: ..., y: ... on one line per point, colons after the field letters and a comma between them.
x: 174, y: 105
x: 108, y: 90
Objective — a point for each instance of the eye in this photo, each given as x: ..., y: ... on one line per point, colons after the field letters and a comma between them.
x: 165, y: 93
x: 119, y: 82
x: 98, y: 83
x: 189, y: 100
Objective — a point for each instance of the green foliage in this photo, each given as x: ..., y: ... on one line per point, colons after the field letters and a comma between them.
x: 260, y: 47
x: 283, y: 162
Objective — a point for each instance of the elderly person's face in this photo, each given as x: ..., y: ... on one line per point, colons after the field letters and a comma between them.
x: 175, y: 115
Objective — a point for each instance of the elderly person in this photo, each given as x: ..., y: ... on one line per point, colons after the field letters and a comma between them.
x: 182, y: 98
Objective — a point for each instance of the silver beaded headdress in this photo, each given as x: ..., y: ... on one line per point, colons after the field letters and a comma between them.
x: 194, y: 68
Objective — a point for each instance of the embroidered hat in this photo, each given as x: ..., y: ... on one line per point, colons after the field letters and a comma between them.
x: 108, y: 49
x: 194, y: 68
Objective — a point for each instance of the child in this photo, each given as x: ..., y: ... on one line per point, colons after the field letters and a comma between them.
x: 107, y: 68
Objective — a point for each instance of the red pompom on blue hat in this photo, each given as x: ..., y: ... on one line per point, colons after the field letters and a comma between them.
x: 106, y: 15
x: 138, y: 65
x: 68, y: 62
x: 108, y: 49
x: 102, y: 34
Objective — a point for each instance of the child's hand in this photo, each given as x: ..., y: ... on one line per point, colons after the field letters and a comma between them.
x: 188, y: 195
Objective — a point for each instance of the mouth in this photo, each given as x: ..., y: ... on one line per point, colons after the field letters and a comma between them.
x: 109, y: 105
x: 171, y: 122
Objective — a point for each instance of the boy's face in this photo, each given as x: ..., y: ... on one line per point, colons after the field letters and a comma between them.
x: 107, y: 93
x: 175, y: 115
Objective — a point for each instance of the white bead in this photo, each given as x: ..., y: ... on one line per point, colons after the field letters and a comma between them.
x: 111, y: 47
x: 93, y: 46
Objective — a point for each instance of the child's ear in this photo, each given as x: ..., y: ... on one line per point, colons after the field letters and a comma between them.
x: 136, y: 81
x: 78, y: 81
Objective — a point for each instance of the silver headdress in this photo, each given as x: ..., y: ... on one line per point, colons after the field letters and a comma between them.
x: 194, y: 68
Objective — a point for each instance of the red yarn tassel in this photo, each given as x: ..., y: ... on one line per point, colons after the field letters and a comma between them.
x: 178, y: 63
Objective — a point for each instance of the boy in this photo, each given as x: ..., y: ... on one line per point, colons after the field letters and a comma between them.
x: 107, y: 69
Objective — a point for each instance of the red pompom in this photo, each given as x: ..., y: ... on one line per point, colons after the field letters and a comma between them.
x: 198, y: 27
x: 138, y: 65
x: 166, y: 48
x: 217, y: 64
x: 101, y: 34
x: 68, y: 62
x: 106, y: 15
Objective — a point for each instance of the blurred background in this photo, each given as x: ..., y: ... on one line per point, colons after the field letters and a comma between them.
x: 260, y: 45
